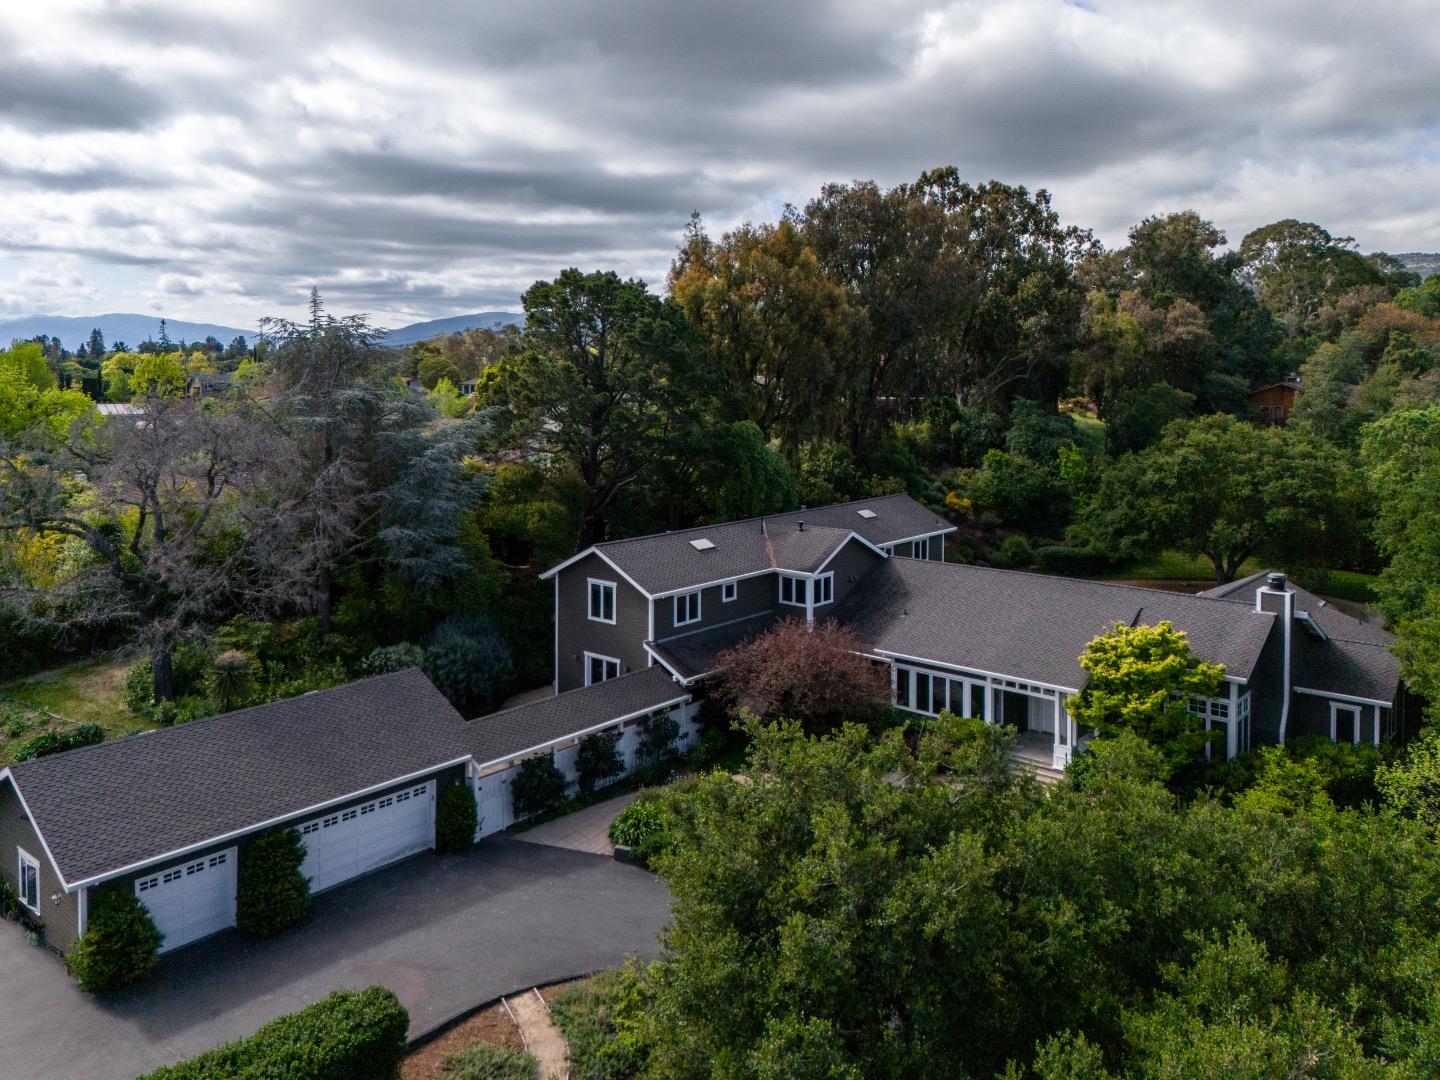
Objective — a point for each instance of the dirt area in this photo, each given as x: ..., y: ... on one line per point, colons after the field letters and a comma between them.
x: 492, y: 1025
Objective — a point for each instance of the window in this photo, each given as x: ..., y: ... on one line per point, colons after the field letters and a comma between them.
x: 687, y: 608
x: 932, y: 693
x: 793, y: 591
x: 1344, y: 722
x: 598, y: 668
x: 602, y: 601
x: 29, y: 881
x: 824, y: 589
x: 888, y: 549
x: 729, y: 591
x: 920, y: 549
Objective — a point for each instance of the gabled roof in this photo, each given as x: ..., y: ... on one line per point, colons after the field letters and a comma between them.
x: 663, y: 563
x: 1352, y: 658
x: 102, y: 809
x: 1031, y: 626
x: 691, y: 656
x: 511, y: 732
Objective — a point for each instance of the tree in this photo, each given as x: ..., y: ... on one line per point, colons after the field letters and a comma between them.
x: 1227, y: 489
x: 772, y: 321
x: 1137, y: 419
x: 272, y: 894
x: 598, y: 759
x: 170, y: 513
x: 120, y: 946
x: 1141, y: 679
x: 815, y: 675
x: 31, y: 403
x: 1401, y: 458
x: 469, y: 662
x: 97, y: 344
x: 598, y: 365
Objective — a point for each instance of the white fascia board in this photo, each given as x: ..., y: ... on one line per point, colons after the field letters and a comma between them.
x: 603, y: 558
x: 6, y: 774
x: 841, y: 547
x: 920, y: 536
x: 888, y: 655
x: 664, y: 663
x: 247, y: 830
x: 520, y: 755
x: 711, y: 584
x: 1343, y: 697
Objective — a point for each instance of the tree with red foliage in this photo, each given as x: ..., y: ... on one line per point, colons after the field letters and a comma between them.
x: 817, y: 676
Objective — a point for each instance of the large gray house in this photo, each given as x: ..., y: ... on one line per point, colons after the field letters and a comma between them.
x: 356, y: 770
x: 996, y: 644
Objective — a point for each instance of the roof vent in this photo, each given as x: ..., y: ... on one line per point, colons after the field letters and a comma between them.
x: 866, y: 513
x: 801, y: 524
x: 702, y: 544
x: 1275, y: 581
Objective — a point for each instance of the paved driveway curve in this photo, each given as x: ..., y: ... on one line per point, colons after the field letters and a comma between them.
x: 444, y: 932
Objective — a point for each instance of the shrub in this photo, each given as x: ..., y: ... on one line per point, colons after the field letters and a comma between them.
x: 189, y: 667
x: 469, y: 662
x: 390, y: 658
x: 712, y: 744
x: 230, y: 679
x: 485, y: 1062
x: 350, y: 1035
x: 1070, y: 561
x: 272, y: 893
x: 1015, y: 552
x: 598, y: 759
x: 538, y: 786
x: 9, y: 902
x: 138, y: 689
x: 53, y: 742
x: 598, y: 1018
x: 643, y: 827
x: 455, y: 818
x: 658, y: 734
x: 120, y: 946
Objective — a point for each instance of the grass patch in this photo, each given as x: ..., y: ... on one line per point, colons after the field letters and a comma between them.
x: 1351, y: 585
x: 84, y: 693
x: 1091, y: 431
x: 585, y: 1014
x: 485, y: 1062
x: 1175, y: 566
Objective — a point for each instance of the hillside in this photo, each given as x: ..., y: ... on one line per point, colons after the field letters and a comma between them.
x: 408, y: 335
x: 1423, y: 263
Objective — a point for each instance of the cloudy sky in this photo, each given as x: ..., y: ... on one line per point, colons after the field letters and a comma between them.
x: 210, y: 160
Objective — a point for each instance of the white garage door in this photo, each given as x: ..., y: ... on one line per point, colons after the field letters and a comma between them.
x: 351, y: 842
x: 192, y: 900
x: 493, y: 807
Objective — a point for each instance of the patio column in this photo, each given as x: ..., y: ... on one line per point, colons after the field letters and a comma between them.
x: 988, y: 710
x: 1060, y: 752
x: 1377, y: 726
x: 1232, y: 729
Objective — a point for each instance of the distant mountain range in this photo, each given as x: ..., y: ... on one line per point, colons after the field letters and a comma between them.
x: 74, y: 330
x: 1423, y: 263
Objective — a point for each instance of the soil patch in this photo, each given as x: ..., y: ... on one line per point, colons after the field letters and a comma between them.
x: 492, y: 1025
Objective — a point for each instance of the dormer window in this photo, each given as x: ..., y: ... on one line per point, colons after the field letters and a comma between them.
x: 602, y: 601
x: 687, y: 608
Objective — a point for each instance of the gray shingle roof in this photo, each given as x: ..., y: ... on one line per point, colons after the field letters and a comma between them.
x: 1355, y: 660
x: 693, y: 655
x: 102, y: 808
x: 510, y: 732
x: 664, y: 562
x: 1030, y: 626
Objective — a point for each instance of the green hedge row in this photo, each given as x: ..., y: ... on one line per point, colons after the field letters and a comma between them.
x: 350, y: 1035
x: 53, y: 742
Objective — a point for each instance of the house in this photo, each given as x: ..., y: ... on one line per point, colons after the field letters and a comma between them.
x: 209, y: 384
x: 170, y: 814
x: 1272, y: 404
x: 996, y: 644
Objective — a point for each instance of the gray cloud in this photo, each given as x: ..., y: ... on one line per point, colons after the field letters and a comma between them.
x: 437, y: 158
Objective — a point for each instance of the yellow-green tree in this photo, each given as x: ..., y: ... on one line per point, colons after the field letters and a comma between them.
x: 1141, y: 679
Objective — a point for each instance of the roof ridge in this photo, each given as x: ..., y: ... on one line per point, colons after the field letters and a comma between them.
x: 763, y: 518
x: 202, y: 721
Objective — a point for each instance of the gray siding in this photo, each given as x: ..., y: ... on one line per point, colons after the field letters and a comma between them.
x: 579, y: 634
x: 1267, y: 688
x: 754, y: 595
x: 853, y: 562
x: 1310, y: 715
x: 62, y: 919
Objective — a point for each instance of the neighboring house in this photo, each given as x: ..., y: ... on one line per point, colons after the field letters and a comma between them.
x: 1271, y: 405
x: 170, y: 814
x: 112, y: 409
x: 209, y: 384
x: 996, y: 644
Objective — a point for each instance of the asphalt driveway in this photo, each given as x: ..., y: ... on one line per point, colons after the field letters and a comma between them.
x: 444, y: 932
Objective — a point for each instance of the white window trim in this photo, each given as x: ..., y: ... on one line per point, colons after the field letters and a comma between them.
x: 829, y: 580
x: 729, y: 591
x: 1335, y: 707
x: 26, y: 859
x: 589, y: 656
x: 916, y: 550
x: 684, y: 598
x: 792, y: 602
x: 590, y: 584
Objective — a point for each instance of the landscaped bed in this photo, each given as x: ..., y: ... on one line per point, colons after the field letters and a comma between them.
x: 491, y: 1026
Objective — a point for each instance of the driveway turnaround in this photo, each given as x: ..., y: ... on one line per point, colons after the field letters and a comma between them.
x: 446, y: 933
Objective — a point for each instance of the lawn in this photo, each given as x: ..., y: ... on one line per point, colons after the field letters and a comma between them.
x: 1091, y: 431
x: 84, y: 693
x: 1174, y: 566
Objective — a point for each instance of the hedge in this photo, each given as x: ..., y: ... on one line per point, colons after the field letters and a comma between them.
x: 1073, y: 561
x: 53, y: 742
x: 350, y: 1035
x: 120, y: 946
x: 455, y: 818
x: 271, y: 893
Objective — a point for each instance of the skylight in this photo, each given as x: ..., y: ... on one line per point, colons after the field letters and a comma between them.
x: 866, y: 513
x: 702, y: 544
